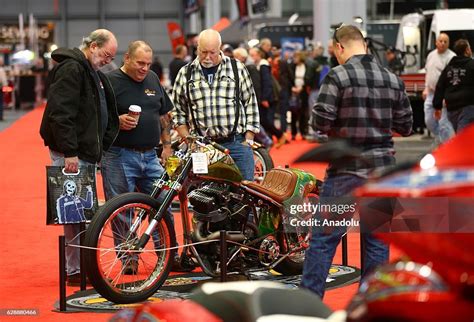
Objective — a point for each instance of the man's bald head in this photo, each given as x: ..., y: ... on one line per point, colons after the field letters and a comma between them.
x: 442, y: 42
x: 210, y: 37
x: 209, y: 45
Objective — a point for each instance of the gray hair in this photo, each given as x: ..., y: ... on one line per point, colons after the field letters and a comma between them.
x: 99, y: 36
x: 241, y: 51
x: 134, y: 45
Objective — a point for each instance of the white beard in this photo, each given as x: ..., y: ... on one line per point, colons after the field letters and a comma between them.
x: 207, y: 64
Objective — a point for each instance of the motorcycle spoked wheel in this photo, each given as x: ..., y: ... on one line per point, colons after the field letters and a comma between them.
x: 263, y: 163
x: 109, y: 233
x: 293, y: 264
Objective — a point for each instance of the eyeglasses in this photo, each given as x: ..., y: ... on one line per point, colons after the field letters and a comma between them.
x: 107, y: 55
x: 104, y: 53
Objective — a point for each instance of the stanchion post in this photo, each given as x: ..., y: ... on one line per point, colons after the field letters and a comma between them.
x: 82, y: 259
x: 223, y: 243
x: 62, y: 274
x: 344, y: 250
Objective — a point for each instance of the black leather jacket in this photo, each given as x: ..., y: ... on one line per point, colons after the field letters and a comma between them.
x: 72, y: 122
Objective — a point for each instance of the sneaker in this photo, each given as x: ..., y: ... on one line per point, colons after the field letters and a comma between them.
x: 131, y: 268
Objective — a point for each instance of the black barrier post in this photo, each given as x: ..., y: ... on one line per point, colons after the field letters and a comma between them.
x: 82, y: 259
x: 62, y: 274
x: 362, y: 250
x: 344, y: 250
x: 223, y: 243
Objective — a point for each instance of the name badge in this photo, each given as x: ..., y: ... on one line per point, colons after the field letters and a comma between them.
x: 200, y: 163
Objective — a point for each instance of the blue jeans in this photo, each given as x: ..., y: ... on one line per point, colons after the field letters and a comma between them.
x: 73, y: 254
x: 319, y: 255
x: 442, y: 130
x: 242, y: 155
x: 125, y: 170
x: 461, y: 118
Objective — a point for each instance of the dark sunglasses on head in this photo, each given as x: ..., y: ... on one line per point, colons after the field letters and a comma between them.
x: 334, y: 36
x: 336, y: 39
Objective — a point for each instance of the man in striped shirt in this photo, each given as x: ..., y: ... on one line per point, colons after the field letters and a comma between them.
x: 207, y: 103
x: 364, y: 103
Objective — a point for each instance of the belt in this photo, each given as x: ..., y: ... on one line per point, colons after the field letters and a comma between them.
x: 227, y: 139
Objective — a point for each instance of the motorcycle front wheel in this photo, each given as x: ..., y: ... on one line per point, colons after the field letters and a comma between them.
x: 263, y: 163
x: 118, y: 271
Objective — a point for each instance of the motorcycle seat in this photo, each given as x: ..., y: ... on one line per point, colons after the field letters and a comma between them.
x: 279, y: 184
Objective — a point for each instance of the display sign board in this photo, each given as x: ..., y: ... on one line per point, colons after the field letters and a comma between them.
x: 278, y: 32
x: 11, y: 34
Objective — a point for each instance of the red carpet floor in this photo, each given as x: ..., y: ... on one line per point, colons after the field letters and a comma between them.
x: 29, y: 260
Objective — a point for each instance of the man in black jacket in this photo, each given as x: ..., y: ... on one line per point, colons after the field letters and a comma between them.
x: 80, y: 120
x: 178, y: 61
x: 456, y: 87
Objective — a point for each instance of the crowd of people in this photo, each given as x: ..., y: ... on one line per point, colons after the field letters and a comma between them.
x: 233, y: 96
x: 286, y: 84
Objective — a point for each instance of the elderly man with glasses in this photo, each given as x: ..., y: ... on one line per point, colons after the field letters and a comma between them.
x: 363, y: 103
x: 80, y: 121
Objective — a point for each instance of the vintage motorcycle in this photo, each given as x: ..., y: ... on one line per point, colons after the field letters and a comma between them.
x: 128, y: 255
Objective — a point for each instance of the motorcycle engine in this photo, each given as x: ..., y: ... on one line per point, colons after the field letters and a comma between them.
x: 218, y: 207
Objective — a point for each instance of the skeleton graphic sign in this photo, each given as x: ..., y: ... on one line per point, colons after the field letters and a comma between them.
x: 72, y: 198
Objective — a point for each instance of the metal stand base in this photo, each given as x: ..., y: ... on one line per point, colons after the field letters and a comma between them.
x: 62, y: 274
x: 62, y: 269
x: 344, y: 250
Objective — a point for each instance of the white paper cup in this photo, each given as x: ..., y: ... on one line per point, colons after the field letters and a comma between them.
x: 134, y: 111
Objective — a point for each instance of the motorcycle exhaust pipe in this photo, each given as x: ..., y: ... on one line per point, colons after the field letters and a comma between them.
x: 229, y: 235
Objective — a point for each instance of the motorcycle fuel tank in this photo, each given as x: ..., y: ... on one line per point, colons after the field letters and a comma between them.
x: 221, y: 166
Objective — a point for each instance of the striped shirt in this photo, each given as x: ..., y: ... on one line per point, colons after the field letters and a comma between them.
x: 214, y: 104
x: 363, y: 102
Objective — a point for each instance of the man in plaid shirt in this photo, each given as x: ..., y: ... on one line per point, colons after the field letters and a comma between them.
x: 210, y: 106
x: 362, y: 102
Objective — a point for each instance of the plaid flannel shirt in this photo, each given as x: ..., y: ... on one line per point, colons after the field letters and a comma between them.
x: 363, y: 102
x: 214, y: 105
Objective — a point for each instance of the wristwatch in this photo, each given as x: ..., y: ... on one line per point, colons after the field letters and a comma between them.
x: 249, y: 142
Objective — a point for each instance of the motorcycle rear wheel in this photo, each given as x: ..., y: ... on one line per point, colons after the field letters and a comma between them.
x: 112, y: 255
x: 293, y: 264
x: 263, y: 163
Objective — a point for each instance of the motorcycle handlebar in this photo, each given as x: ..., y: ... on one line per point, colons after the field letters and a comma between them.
x: 208, y: 141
